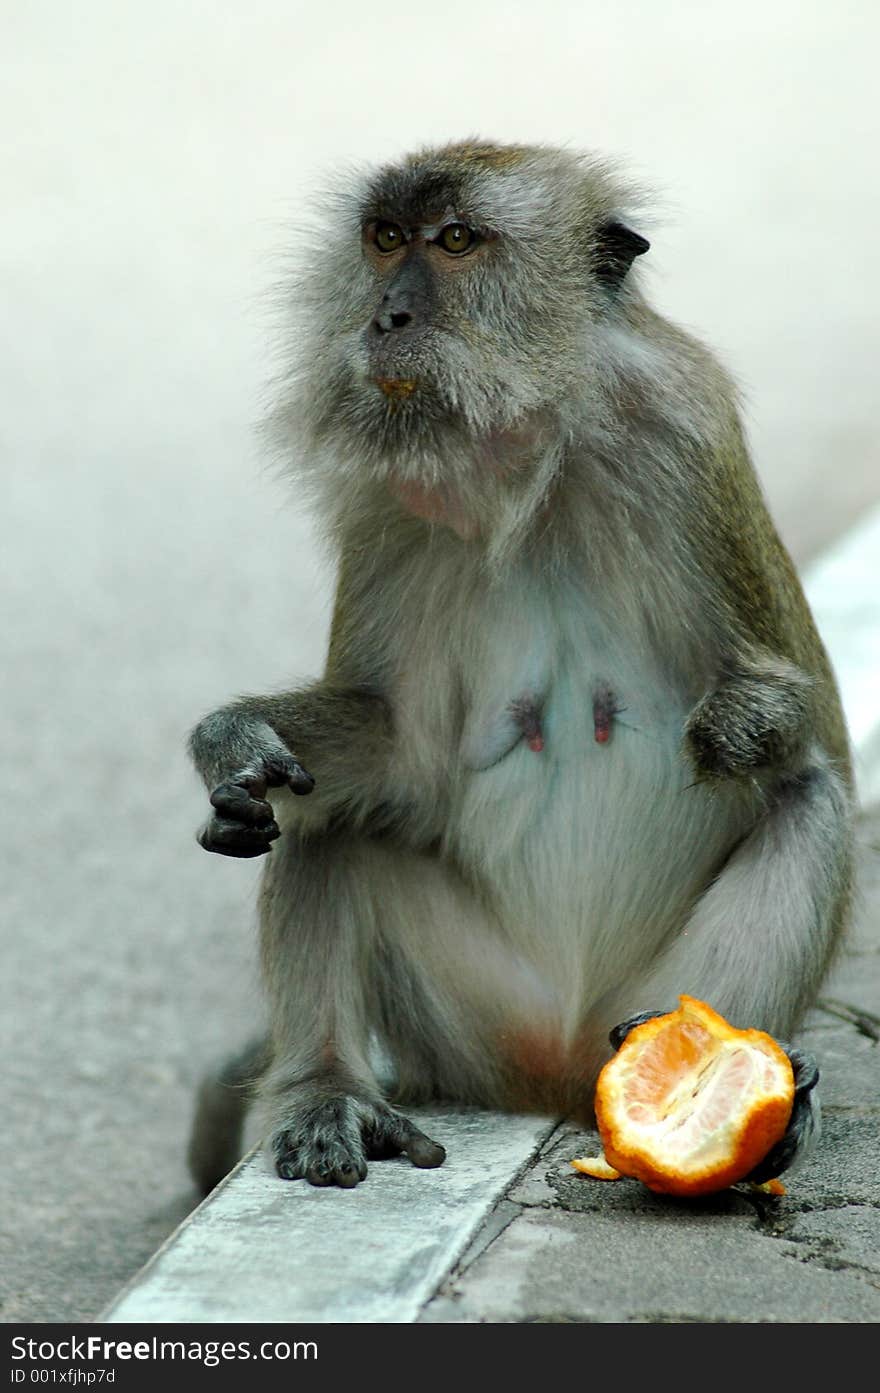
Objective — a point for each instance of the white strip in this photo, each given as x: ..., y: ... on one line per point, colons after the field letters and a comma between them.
x: 263, y: 1249
x: 260, y: 1249
x: 844, y: 591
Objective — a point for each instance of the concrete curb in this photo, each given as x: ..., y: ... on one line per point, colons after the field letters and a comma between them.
x: 257, y: 1250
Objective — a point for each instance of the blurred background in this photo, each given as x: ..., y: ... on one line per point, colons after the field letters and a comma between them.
x: 153, y: 566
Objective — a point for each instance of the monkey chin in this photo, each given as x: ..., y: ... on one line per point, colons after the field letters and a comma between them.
x: 396, y: 389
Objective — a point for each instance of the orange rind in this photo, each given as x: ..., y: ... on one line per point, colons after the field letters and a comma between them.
x: 690, y: 1105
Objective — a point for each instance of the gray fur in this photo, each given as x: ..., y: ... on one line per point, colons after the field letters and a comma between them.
x: 555, y: 510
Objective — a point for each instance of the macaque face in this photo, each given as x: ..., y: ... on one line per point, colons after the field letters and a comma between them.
x: 423, y: 311
x: 442, y: 317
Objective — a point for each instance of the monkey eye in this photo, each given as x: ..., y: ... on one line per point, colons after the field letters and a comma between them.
x: 456, y: 238
x: 388, y: 237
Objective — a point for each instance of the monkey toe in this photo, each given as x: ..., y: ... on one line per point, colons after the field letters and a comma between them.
x: 346, y: 1177
x: 230, y: 838
x: 320, y: 1169
x: 318, y: 1177
x: 332, y: 1144
x: 395, y: 1135
x: 423, y: 1152
x: 324, y: 1148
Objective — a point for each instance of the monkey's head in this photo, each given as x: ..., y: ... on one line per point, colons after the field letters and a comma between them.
x: 453, y: 304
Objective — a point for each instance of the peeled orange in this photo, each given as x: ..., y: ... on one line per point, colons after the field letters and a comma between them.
x: 689, y: 1105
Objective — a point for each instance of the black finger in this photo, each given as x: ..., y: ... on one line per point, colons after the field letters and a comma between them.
x: 288, y: 1169
x: 235, y: 839
x: 316, y: 1175
x: 300, y: 780
x: 230, y: 833
x: 284, y: 769
x: 781, y: 1156
x: 620, y: 1032
x: 420, y: 1149
x: 254, y: 784
x: 236, y: 803
x: 348, y: 1176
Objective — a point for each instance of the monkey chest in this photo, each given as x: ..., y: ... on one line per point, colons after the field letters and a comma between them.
x: 550, y: 742
x: 526, y: 686
x: 552, y: 684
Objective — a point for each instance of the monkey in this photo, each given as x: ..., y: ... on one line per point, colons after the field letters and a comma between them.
x: 577, y: 747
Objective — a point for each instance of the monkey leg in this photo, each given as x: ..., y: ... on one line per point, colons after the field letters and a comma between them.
x: 760, y: 938
x: 448, y: 985
x: 321, y: 903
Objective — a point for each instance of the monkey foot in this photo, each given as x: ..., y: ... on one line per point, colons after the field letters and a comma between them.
x: 331, y: 1142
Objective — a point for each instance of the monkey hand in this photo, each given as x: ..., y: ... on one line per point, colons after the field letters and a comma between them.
x: 749, y: 723
x: 803, y: 1126
x: 243, y: 823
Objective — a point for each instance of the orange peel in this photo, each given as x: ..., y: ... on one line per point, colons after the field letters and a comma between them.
x: 597, y: 1167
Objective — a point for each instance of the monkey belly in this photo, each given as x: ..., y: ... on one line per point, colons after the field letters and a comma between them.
x: 594, y: 847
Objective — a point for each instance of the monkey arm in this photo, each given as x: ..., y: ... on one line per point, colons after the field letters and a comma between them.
x: 264, y: 742
x: 775, y: 694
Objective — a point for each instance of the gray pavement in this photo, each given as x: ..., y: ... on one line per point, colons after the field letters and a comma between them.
x: 150, y: 567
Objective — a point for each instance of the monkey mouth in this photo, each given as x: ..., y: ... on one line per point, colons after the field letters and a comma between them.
x: 396, y: 389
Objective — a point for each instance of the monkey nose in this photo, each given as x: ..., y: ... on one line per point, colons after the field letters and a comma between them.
x: 387, y: 320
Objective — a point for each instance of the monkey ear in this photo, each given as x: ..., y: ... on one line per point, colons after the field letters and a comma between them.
x: 617, y: 246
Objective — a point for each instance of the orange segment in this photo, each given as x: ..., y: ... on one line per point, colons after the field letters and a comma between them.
x: 596, y: 1166
x: 770, y: 1187
x: 689, y: 1105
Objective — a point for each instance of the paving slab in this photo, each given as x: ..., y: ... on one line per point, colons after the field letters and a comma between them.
x: 669, y: 1264
x: 843, y: 1238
